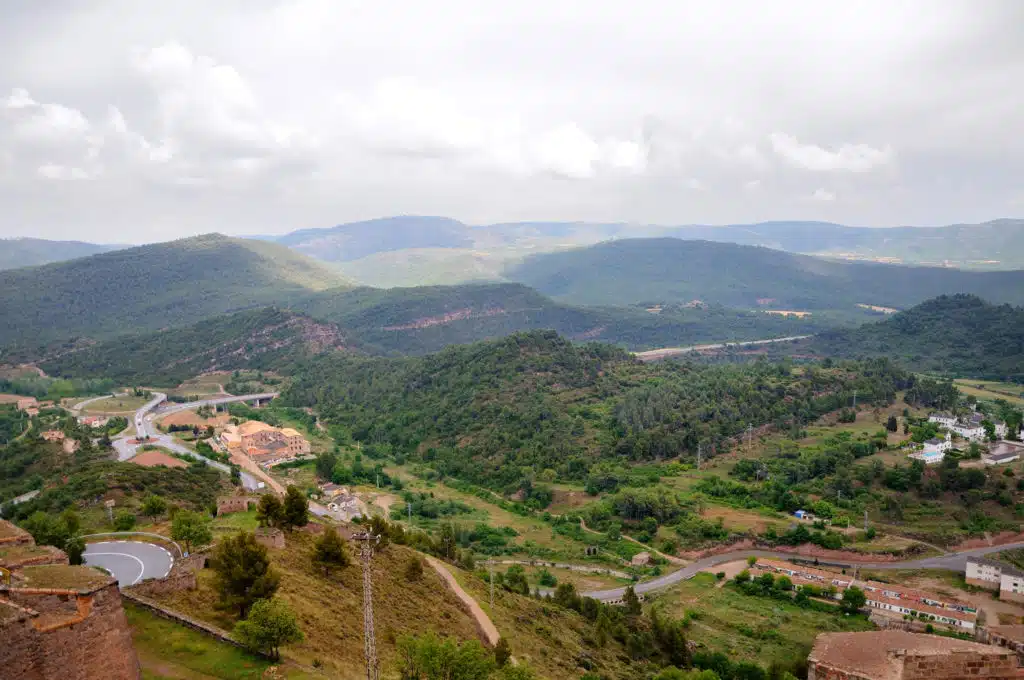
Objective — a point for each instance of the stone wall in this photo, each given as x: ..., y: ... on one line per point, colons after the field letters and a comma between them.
x: 73, y: 636
x: 272, y: 538
x: 181, y: 577
x: 178, y: 617
x: 960, y: 665
x: 229, y: 504
x: 821, y: 671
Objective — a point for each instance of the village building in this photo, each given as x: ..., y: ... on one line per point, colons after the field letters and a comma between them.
x: 27, y: 403
x: 1005, y: 578
x: 641, y: 559
x: 343, y: 504
x: 1003, y: 452
x: 942, y: 418
x: 53, y: 436
x: 804, y: 575
x: 901, y: 655
x: 934, y: 450
x: 237, y: 503
x: 264, y: 443
x: 94, y: 421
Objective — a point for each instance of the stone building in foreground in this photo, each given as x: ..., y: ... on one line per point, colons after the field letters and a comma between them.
x: 59, y: 621
x: 899, y: 655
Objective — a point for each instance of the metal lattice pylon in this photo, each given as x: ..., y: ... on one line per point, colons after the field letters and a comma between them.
x: 367, y: 542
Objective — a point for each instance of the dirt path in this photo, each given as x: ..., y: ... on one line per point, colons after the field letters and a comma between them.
x: 246, y: 463
x: 485, y: 627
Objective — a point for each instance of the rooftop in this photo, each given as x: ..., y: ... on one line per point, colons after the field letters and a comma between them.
x: 876, y: 654
x: 821, y: 573
x: 291, y: 432
x: 59, y: 576
x: 1004, y: 567
x: 253, y: 426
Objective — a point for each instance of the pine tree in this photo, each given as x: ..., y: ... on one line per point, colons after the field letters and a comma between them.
x: 329, y: 550
x: 270, y: 624
x: 242, y: 572
x: 270, y: 511
x: 296, y: 508
x: 632, y: 602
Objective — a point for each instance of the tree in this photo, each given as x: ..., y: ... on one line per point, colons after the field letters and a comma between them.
x: 270, y: 511
x: 631, y: 601
x: 853, y: 600
x: 329, y: 550
x: 74, y: 547
x: 124, y: 521
x: 153, y: 506
x: 892, y: 425
x: 242, y: 572
x: 270, y: 625
x: 296, y: 508
x: 191, y: 528
x: 414, y: 569
x: 430, y: 658
x: 502, y: 652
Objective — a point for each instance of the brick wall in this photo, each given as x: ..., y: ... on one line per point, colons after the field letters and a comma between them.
x: 98, y: 645
x: 229, y: 504
x: 960, y: 665
x: 820, y: 671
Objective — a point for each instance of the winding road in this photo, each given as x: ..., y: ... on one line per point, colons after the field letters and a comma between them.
x: 127, y: 447
x: 951, y: 561
x: 665, y: 352
x: 129, y: 561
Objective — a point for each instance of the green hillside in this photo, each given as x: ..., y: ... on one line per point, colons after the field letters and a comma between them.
x: 670, y: 270
x: 425, y: 319
x: 958, y: 335
x: 359, y: 239
x: 27, y: 252
x: 151, y: 287
x: 504, y: 412
x: 265, y: 339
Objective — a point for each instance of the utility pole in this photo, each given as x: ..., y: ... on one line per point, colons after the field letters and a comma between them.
x: 367, y: 542
x: 700, y: 450
x: 855, y: 400
x: 408, y: 506
x: 750, y: 436
x: 865, y: 520
x: 490, y: 566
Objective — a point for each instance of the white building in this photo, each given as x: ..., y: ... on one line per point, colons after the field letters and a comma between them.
x: 1005, y: 578
x: 942, y: 418
x: 1001, y: 453
x: 934, y: 450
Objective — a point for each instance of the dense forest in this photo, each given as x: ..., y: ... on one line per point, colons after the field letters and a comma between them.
x: 264, y: 339
x: 956, y: 335
x: 534, y: 407
x: 666, y: 270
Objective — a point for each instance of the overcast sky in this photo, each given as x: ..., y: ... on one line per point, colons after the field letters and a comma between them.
x: 141, y: 121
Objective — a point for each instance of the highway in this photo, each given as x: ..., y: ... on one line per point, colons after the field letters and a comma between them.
x: 143, y: 419
x: 664, y: 352
x: 129, y: 561
x: 951, y: 561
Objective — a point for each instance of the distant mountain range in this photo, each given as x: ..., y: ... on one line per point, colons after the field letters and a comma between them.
x: 151, y: 287
x: 665, y: 270
x: 28, y: 252
x: 956, y: 335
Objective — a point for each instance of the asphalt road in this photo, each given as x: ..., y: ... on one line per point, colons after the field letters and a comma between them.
x: 951, y: 561
x: 665, y: 352
x: 129, y: 561
x: 143, y: 427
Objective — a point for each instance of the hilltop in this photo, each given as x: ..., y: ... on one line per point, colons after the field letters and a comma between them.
x: 665, y: 270
x: 151, y: 287
x: 28, y: 252
x: 359, y: 239
x: 425, y: 319
x: 955, y: 335
x: 265, y: 339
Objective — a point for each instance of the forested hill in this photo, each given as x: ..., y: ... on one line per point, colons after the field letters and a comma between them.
x: 27, y: 252
x: 534, y: 406
x: 958, y: 335
x: 654, y: 271
x: 265, y: 339
x: 425, y: 319
x: 150, y: 287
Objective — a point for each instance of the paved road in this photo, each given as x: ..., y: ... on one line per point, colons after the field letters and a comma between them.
x: 144, y: 427
x: 664, y: 352
x: 952, y: 561
x: 129, y: 561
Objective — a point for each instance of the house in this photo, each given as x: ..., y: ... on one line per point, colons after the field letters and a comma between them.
x: 640, y: 559
x: 902, y: 655
x: 970, y: 428
x: 1003, y: 452
x: 934, y: 450
x: 93, y: 421
x: 341, y: 502
x: 53, y: 436
x: 942, y: 418
x: 889, y: 598
x: 804, y: 515
x: 1005, y: 578
x: 802, y: 575
x: 263, y: 442
x: 27, y: 403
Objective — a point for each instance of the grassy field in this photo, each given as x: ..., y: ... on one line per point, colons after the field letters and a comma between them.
x: 329, y: 609
x: 236, y: 521
x: 583, y: 582
x: 169, y: 650
x: 989, y: 389
x: 120, y: 405
x: 208, y: 383
x: 759, y: 629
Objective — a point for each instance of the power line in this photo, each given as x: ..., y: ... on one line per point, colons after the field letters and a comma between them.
x: 367, y: 542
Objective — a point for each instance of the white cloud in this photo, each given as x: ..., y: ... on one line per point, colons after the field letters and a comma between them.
x: 821, y: 194
x: 752, y: 185
x: 851, y: 157
x: 62, y: 172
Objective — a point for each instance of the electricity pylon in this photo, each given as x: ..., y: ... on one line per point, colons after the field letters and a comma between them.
x: 367, y: 542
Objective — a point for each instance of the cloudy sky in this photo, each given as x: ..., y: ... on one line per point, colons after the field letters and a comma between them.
x: 126, y: 121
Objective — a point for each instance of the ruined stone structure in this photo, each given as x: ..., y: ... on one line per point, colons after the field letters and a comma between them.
x: 238, y: 503
x: 1010, y: 637
x: 900, y: 655
x: 270, y: 537
x: 60, y: 621
x: 181, y: 577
